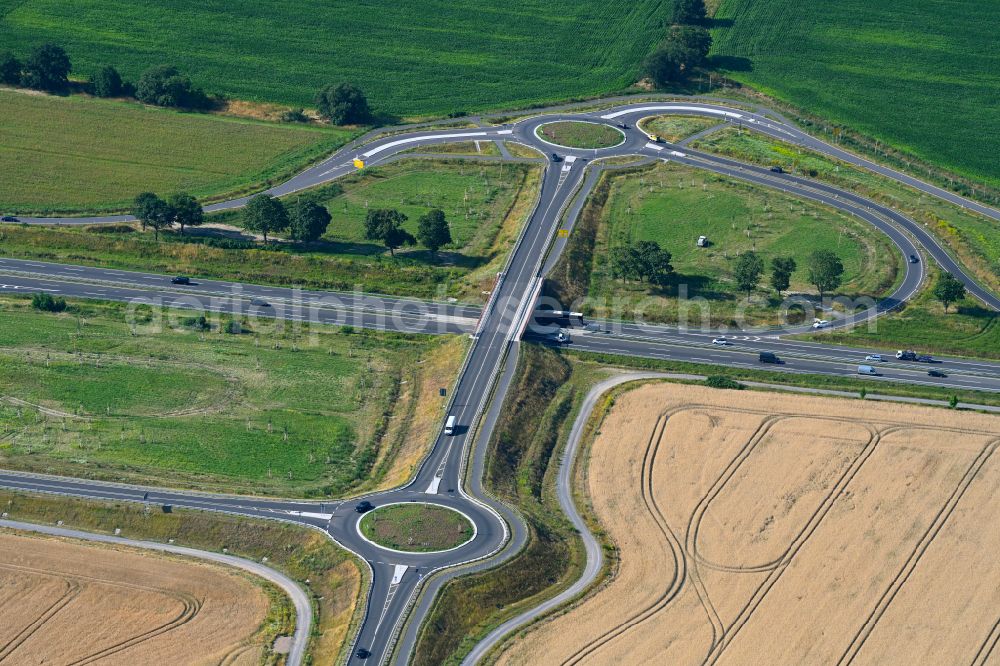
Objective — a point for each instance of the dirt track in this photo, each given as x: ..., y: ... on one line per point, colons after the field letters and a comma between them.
x: 772, y: 529
x: 68, y: 603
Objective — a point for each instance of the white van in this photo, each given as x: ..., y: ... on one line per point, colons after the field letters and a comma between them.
x: 449, y: 426
x: 866, y: 370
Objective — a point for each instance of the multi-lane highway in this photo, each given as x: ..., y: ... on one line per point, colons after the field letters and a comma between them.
x: 450, y: 476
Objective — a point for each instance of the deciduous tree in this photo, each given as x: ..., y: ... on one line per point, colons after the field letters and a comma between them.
x: 10, y: 69
x: 687, y: 11
x: 187, y: 211
x: 343, y: 104
x: 749, y: 268
x: 948, y: 290
x: 47, y: 68
x: 107, y: 82
x: 307, y: 221
x: 386, y: 225
x: 825, y: 271
x: 264, y: 215
x: 781, y: 273
x: 433, y: 231
x: 153, y: 212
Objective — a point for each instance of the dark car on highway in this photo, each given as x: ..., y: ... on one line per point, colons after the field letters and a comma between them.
x: 914, y: 259
x: 768, y: 357
x: 777, y: 169
x: 9, y: 218
x: 556, y: 158
x: 362, y: 653
x: 364, y: 507
x: 935, y: 373
x: 180, y: 279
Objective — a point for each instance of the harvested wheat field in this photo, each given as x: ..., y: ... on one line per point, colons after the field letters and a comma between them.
x: 64, y: 602
x: 758, y: 528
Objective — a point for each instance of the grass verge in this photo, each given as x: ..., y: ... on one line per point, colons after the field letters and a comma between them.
x: 675, y: 128
x: 329, y: 574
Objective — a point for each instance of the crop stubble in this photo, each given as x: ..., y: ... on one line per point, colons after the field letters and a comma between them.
x: 764, y: 528
x: 67, y: 602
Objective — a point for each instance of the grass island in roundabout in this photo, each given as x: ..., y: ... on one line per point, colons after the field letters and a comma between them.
x: 416, y: 527
x: 580, y: 134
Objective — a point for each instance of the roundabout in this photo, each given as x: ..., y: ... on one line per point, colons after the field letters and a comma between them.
x: 406, y: 567
x: 580, y: 135
x: 416, y: 527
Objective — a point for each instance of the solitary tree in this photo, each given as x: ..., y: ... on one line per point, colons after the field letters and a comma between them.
x: 825, y: 271
x: 687, y: 11
x: 781, y: 273
x: 264, y: 214
x: 10, y: 69
x: 386, y: 225
x: 307, y: 221
x: 343, y: 104
x: 107, y: 82
x: 749, y: 268
x: 433, y: 231
x: 47, y: 68
x: 948, y: 290
x: 153, y: 212
x: 187, y: 211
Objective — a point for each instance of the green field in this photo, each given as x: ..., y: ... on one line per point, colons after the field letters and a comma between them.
x: 973, y: 238
x: 575, y: 134
x: 673, y: 205
x: 265, y: 411
x: 410, y: 57
x: 485, y: 204
x: 72, y: 154
x: 918, y: 74
x: 416, y: 528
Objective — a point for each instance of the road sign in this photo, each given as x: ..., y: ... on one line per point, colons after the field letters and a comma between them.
x: 564, y: 233
x: 359, y: 163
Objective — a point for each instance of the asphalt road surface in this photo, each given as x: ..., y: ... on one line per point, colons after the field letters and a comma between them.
x: 451, y: 474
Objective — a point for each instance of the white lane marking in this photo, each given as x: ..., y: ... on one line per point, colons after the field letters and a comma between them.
x: 678, y: 154
x: 311, y: 514
x: 570, y: 159
x: 433, y: 488
x: 673, y: 107
x: 653, y: 146
x: 397, y: 574
x: 415, y: 139
x: 505, y: 132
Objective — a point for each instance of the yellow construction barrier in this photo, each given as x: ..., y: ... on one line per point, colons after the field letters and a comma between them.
x: 359, y: 163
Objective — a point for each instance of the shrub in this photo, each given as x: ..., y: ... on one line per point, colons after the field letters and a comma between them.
x: 10, y: 69
x: 164, y: 85
x: 723, y: 382
x: 47, y: 303
x: 294, y: 116
x: 107, y: 82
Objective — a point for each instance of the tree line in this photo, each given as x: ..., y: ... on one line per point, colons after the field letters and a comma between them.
x: 48, y: 67
x: 684, y: 48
